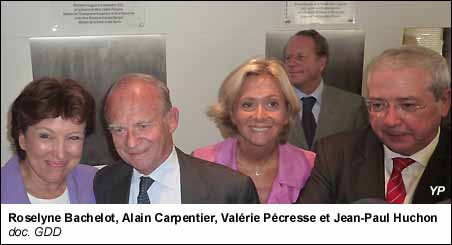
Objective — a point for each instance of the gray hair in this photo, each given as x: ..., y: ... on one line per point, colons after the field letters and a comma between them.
x: 146, y: 78
x: 416, y: 56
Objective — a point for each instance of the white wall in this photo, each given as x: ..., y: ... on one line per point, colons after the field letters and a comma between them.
x: 205, y: 41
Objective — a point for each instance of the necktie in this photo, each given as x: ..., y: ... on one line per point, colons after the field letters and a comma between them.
x: 396, y: 188
x: 145, y: 183
x: 308, y: 120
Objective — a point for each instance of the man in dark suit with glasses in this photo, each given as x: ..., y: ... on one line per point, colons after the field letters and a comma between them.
x: 404, y: 157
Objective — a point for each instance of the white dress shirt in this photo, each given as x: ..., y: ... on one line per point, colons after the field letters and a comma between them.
x: 411, y: 174
x: 166, y: 187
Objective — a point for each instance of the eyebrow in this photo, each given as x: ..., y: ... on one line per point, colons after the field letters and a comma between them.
x: 53, y: 131
x: 397, y: 99
x: 272, y: 96
x: 112, y: 125
x: 407, y: 98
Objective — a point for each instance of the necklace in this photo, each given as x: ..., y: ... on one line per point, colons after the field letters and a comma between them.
x: 258, y: 172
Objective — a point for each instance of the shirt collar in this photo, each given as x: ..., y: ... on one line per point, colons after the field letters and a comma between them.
x: 422, y: 156
x: 317, y: 94
x: 164, y: 174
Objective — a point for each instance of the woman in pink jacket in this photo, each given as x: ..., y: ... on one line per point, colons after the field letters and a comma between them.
x: 256, y: 109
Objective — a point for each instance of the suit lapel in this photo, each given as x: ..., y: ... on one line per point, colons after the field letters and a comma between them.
x: 369, y: 169
x: 193, y: 187
x: 328, y: 114
x: 120, y: 190
x: 437, y: 173
x: 296, y: 135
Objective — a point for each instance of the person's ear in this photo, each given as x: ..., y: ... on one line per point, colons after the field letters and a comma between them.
x: 445, y: 99
x: 22, y: 142
x: 323, y: 60
x: 173, y: 119
x: 232, y: 118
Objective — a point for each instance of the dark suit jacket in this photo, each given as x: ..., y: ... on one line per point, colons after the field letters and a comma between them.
x: 350, y: 166
x: 201, y: 182
x: 340, y: 111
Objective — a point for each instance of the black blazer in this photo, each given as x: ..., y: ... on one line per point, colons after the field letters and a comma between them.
x: 350, y: 166
x: 201, y: 182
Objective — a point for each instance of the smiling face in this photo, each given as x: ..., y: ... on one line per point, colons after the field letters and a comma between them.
x: 53, y: 148
x: 406, y: 132
x: 260, y: 112
x: 141, y: 131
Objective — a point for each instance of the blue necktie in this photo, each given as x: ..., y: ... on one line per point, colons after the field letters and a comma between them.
x: 145, y: 183
x: 308, y: 120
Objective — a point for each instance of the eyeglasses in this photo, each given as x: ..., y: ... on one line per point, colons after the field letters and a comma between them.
x: 381, y: 106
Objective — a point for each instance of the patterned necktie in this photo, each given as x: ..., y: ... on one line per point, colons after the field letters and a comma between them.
x: 145, y: 183
x: 395, y: 192
x: 308, y: 120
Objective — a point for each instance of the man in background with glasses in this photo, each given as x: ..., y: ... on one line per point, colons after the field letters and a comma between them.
x: 326, y: 110
x: 405, y: 157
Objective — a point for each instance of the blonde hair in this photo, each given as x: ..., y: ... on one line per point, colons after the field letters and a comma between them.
x: 221, y: 112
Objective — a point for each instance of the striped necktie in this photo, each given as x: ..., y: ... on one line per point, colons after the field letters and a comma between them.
x: 396, y: 188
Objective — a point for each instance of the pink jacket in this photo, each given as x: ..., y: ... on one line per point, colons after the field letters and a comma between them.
x: 294, y: 168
